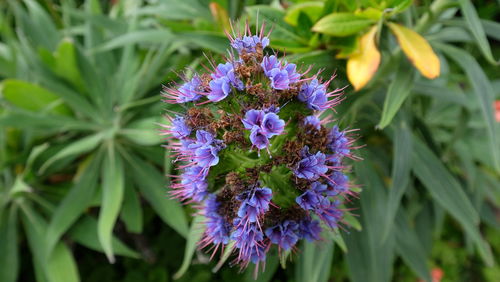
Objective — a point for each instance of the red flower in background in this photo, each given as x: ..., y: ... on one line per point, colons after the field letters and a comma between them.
x: 496, y: 104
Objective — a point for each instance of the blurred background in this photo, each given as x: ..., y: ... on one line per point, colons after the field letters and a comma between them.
x: 83, y: 191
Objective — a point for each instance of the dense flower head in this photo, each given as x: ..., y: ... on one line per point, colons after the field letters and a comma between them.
x: 255, y: 154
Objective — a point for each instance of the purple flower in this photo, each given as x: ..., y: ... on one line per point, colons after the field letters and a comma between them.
x: 339, y: 183
x: 248, y: 43
x: 293, y: 75
x: 258, y: 138
x: 217, y: 228
x: 339, y: 144
x: 189, y: 91
x: 203, y: 139
x: 313, y: 121
x: 223, y: 79
x: 269, y: 63
x: 314, y: 95
x: 284, y: 234
x: 246, y: 236
x: 309, y: 229
x: 263, y: 125
x: 179, y: 128
x: 254, y: 203
x: 219, y: 89
x: 207, y: 156
x: 272, y: 125
x: 257, y: 254
x: 329, y: 212
x: 253, y: 118
x: 279, y: 79
x: 311, y: 167
x: 308, y: 200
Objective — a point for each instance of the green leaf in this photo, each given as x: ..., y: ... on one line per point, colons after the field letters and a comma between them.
x: 134, y: 37
x: 66, y: 64
x: 151, y: 184
x: 448, y: 193
x: 112, y: 196
x: 81, y: 146
x: 73, y: 204
x: 131, y: 213
x: 42, y: 122
x: 401, y: 168
x: 84, y: 232
x: 195, y: 232
x: 311, y: 9
x: 315, y: 261
x: 32, y: 97
x: 143, y: 132
x: 214, y: 42
x: 369, y: 258
x: 262, y: 273
x: 410, y: 248
x: 398, y: 91
x: 229, y: 248
x: 9, y: 260
x: 61, y: 266
x: 282, y: 32
x: 483, y: 90
x: 342, y: 24
x: 177, y: 10
x: 476, y: 28
x: 444, y: 94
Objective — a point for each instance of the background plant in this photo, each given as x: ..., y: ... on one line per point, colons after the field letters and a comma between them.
x: 82, y: 169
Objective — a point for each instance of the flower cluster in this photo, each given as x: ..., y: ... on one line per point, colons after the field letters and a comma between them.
x: 253, y: 200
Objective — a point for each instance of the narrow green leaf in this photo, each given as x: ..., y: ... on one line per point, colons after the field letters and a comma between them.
x: 315, y: 261
x: 9, y: 260
x: 66, y: 64
x: 195, y: 232
x: 445, y: 94
x: 483, y: 90
x: 401, y: 167
x: 152, y: 186
x: 84, y: 232
x: 42, y: 122
x: 32, y: 97
x: 366, y: 248
x: 311, y: 9
x: 398, y: 91
x: 112, y: 196
x: 448, y: 193
x: 143, y: 132
x: 131, y: 213
x: 81, y: 146
x: 34, y: 227
x: 229, y: 248
x: 40, y: 26
x: 61, y: 266
x: 342, y: 24
x: 410, y: 248
x: 261, y: 272
x: 73, y: 205
x: 275, y: 19
x: 134, y: 37
x: 476, y: 28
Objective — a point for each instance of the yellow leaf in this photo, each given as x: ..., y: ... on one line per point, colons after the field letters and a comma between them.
x: 220, y: 15
x: 418, y: 50
x: 363, y: 64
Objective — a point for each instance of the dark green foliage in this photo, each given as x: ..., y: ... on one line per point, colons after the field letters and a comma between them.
x: 82, y: 180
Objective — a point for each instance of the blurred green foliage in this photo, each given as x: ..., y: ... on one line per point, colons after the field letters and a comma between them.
x: 82, y: 191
